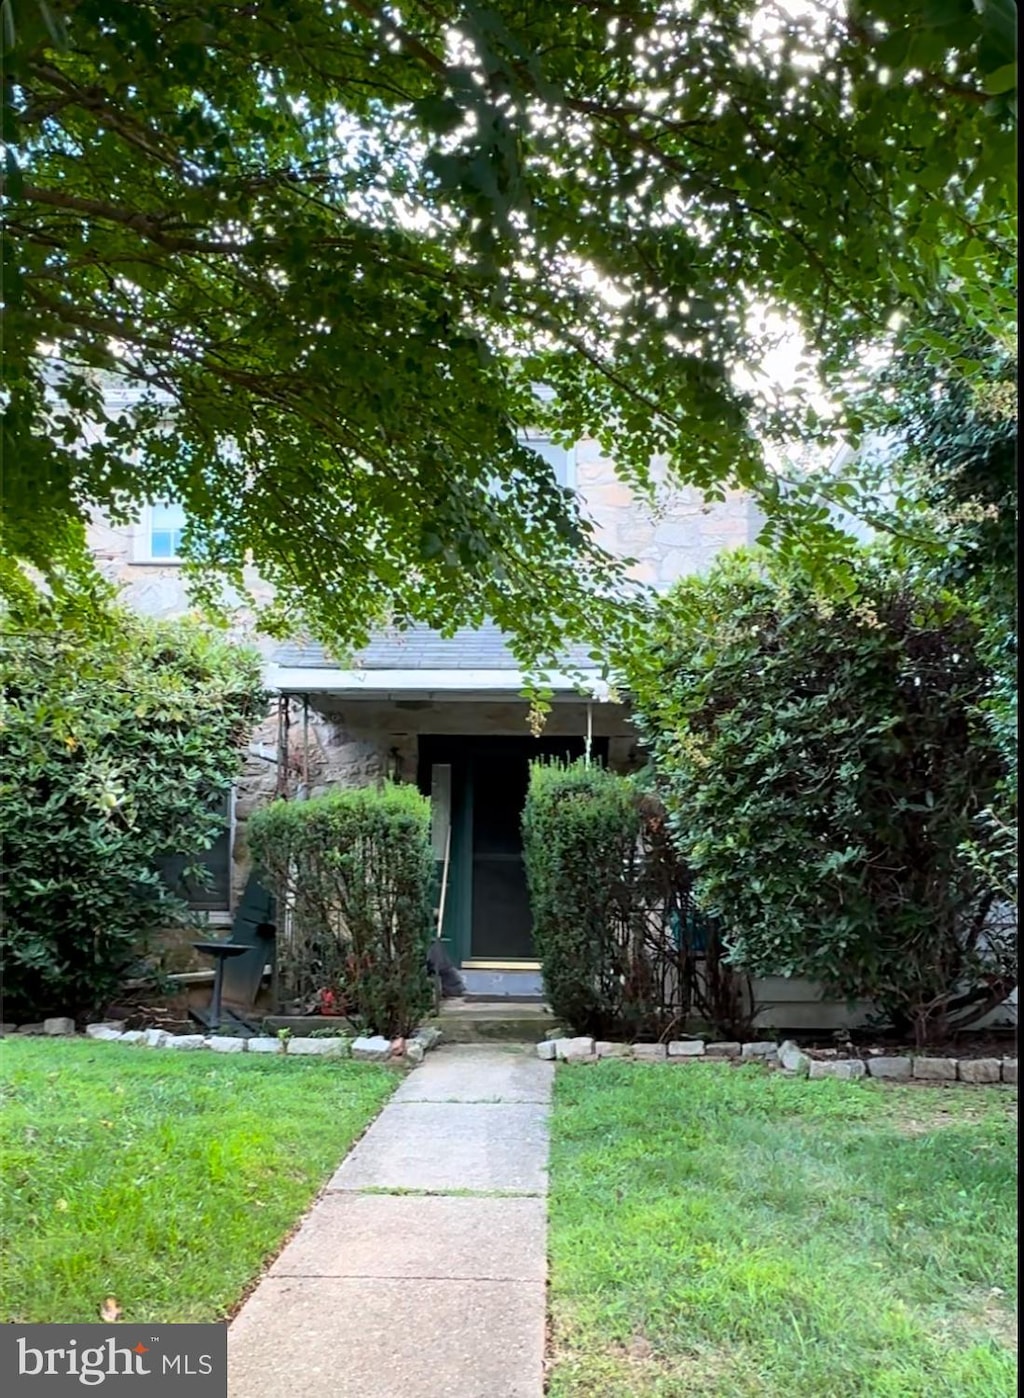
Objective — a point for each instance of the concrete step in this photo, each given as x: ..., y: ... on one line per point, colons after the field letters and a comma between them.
x: 526, y: 987
x: 485, y: 1021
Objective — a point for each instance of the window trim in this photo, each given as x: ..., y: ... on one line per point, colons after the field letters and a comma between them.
x: 531, y: 437
x: 142, y: 547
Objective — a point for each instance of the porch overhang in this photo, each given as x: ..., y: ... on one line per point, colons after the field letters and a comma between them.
x: 462, y: 685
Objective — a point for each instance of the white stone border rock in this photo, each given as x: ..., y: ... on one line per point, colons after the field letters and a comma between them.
x: 789, y: 1059
x: 370, y: 1049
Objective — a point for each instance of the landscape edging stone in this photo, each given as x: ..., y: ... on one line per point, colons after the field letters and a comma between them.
x: 789, y: 1059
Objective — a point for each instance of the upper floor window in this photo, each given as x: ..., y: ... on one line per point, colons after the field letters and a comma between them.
x: 562, y: 460
x: 160, y: 534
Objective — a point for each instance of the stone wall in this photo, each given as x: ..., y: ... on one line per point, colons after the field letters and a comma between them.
x: 789, y: 1058
x: 159, y: 589
x: 674, y: 535
x: 360, y: 726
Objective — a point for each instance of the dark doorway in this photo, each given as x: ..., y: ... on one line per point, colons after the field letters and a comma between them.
x: 501, y: 926
x: 487, y: 910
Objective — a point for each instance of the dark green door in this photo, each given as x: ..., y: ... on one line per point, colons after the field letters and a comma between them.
x: 487, y: 916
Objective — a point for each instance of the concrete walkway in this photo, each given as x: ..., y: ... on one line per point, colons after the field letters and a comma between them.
x: 420, y: 1272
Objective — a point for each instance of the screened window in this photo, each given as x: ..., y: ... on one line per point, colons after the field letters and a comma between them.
x: 212, y: 893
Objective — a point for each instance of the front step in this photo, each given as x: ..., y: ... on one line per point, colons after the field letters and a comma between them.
x: 487, y: 1021
x: 524, y: 987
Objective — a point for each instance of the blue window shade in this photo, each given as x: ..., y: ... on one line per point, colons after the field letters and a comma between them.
x: 689, y: 929
x: 166, y: 528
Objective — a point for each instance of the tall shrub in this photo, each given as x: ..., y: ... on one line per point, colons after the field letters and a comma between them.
x: 623, y: 948
x: 823, y: 761
x: 120, y: 738
x: 580, y: 849
x: 952, y: 449
x: 353, y: 869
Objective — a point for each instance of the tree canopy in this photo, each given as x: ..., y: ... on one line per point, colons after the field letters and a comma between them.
x: 340, y: 244
x: 946, y: 490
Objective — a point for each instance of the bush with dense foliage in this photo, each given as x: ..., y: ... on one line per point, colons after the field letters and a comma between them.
x: 624, y: 951
x: 121, y: 739
x: 354, y: 869
x: 822, y: 761
x: 941, y: 486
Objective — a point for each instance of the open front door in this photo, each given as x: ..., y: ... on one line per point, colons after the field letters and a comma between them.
x: 502, y: 927
x: 487, y: 909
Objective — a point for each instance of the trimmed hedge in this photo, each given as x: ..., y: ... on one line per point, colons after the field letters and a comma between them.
x: 353, y: 872
x: 579, y: 846
x: 624, y: 950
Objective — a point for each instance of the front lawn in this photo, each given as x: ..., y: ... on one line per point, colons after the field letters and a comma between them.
x: 164, y: 1180
x: 723, y: 1233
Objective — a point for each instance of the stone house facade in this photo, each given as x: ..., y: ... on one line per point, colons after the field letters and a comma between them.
x: 450, y: 714
x: 413, y: 694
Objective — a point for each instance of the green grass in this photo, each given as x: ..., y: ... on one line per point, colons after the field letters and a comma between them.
x: 165, y: 1180
x: 723, y: 1233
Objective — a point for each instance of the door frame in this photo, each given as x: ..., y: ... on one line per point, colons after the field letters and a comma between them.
x: 462, y: 752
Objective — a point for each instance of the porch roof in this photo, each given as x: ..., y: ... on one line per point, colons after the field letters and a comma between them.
x: 474, y: 663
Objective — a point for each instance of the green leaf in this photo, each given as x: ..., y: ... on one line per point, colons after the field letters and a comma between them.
x: 439, y: 113
x: 939, y: 13
x: 1002, y: 80
x: 351, y: 331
